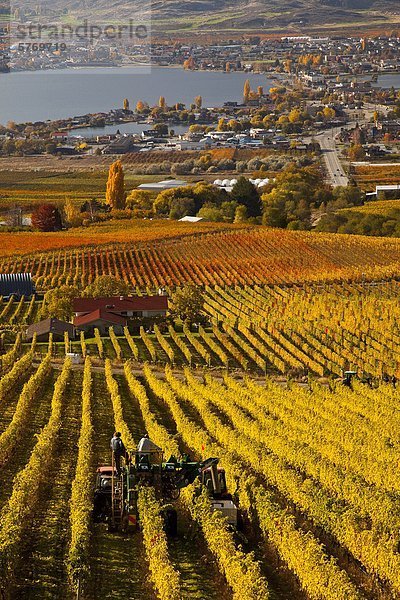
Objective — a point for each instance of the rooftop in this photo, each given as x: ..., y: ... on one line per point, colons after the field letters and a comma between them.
x: 163, y: 185
x: 100, y: 314
x: 120, y: 303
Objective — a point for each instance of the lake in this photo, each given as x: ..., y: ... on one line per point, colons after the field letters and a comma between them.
x: 388, y: 81
x: 89, y: 132
x: 56, y: 94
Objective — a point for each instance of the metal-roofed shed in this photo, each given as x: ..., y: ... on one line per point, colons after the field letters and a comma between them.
x: 16, y: 284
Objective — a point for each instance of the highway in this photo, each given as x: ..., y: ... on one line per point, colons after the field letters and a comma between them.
x: 335, y: 171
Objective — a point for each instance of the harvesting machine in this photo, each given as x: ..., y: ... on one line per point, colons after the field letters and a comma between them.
x: 115, y: 499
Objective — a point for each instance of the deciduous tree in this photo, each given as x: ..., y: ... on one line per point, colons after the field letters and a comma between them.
x: 187, y: 303
x: 140, y: 199
x: 189, y: 63
x: 356, y: 152
x: 58, y: 302
x: 246, y: 91
x: 240, y: 214
x: 180, y: 207
x: 46, y: 217
x: 106, y: 286
x: 115, y: 192
x: 72, y: 214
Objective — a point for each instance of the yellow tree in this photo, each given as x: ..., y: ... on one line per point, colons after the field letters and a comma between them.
x: 72, y: 213
x: 189, y: 63
x: 126, y: 104
x: 227, y: 67
x: 260, y: 91
x: 294, y: 115
x: 140, y: 106
x: 221, y: 125
x: 198, y: 102
x: 246, y: 91
x: 115, y: 192
x: 288, y: 65
x: 161, y: 102
x: 356, y: 152
x: 329, y: 113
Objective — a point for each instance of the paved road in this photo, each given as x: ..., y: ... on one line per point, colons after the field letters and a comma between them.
x: 336, y: 174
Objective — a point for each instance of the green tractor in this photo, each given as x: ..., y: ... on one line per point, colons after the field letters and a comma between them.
x: 115, y: 498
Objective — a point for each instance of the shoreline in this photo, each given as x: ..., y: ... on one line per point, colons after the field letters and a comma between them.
x: 150, y: 66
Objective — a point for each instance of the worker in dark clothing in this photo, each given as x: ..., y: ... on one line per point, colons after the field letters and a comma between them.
x: 118, y: 449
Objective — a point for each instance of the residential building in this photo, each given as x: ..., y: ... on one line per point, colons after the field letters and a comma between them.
x: 117, y: 311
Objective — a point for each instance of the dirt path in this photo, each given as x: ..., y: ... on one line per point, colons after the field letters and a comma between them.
x: 119, y: 569
x: 283, y: 584
x: 39, y: 416
x: 8, y: 404
x: 200, y: 577
x: 47, y: 542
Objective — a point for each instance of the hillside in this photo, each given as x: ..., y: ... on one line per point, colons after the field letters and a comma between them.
x: 244, y: 15
x: 164, y: 256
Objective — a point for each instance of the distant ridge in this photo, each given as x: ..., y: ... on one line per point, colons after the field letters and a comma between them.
x: 238, y: 16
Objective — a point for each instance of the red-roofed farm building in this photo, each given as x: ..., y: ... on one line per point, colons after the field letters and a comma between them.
x: 117, y: 312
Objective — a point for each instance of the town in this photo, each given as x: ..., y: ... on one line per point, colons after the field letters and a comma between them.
x: 304, y: 55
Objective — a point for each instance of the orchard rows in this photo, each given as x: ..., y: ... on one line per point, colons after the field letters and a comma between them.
x: 243, y: 257
x: 313, y: 328
x: 315, y: 472
x: 321, y: 328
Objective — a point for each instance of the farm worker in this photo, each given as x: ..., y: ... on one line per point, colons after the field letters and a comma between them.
x: 118, y: 449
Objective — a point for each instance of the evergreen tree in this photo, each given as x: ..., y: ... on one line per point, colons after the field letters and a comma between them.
x: 244, y: 192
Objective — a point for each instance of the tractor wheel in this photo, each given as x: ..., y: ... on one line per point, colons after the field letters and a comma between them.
x: 240, y: 522
x: 111, y: 527
x: 125, y: 523
x: 171, y: 522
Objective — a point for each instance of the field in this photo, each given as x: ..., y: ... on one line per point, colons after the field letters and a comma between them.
x: 322, y: 505
x: 48, y: 163
x: 27, y: 189
x: 378, y: 207
x: 159, y: 252
x: 368, y: 176
x: 312, y: 464
x: 178, y: 157
x: 296, y: 331
x: 126, y: 230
